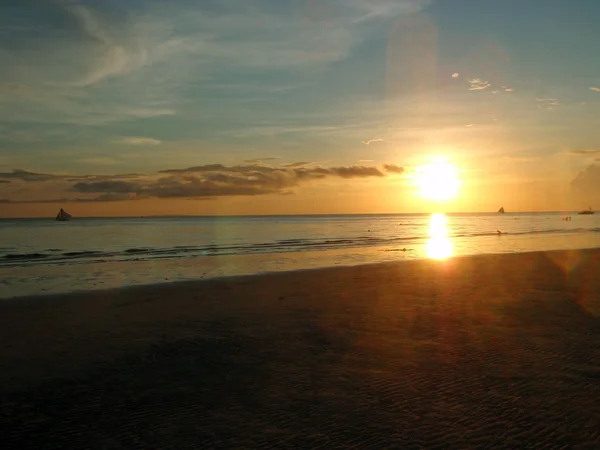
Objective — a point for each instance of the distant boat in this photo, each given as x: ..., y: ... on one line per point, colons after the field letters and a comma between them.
x: 501, y: 210
x: 586, y: 211
x: 63, y: 216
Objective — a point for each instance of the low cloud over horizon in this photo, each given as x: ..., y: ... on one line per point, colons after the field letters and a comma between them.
x: 197, y: 182
x: 211, y: 181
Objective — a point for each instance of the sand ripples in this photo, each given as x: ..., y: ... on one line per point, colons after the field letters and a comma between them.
x: 501, y: 366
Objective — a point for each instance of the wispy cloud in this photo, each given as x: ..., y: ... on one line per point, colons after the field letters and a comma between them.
x: 371, y: 141
x: 278, y: 130
x: 584, y: 152
x: 260, y: 160
x: 137, y: 140
x: 595, y: 89
x: 364, y: 10
x: 296, y: 164
x: 547, y: 102
x: 148, y: 112
x: 118, y: 61
x: 115, y: 54
x: 477, y: 84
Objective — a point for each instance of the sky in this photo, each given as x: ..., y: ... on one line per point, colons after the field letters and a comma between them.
x: 112, y: 107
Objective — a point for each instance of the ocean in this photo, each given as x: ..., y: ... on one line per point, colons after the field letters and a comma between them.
x: 40, y: 256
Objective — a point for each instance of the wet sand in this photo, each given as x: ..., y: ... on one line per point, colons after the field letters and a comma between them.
x: 499, y: 351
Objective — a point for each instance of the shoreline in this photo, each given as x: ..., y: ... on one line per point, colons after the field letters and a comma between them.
x: 486, y: 350
x: 224, y: 278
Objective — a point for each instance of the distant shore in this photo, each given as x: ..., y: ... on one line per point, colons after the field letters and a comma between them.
x: 489, y: 350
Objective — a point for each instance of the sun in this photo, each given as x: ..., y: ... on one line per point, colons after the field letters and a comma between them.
x: 437, y: 181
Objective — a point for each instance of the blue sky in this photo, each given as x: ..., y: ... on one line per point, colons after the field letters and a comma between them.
x: 90, y: 88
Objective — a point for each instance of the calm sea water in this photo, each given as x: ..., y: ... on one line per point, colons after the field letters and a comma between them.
x: 44, y: 256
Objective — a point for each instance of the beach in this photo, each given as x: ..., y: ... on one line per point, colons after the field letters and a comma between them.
x: 487, y: 351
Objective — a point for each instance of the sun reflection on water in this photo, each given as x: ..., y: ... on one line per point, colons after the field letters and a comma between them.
x: 438, y: 245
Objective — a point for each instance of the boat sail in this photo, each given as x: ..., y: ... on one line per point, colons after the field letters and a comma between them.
x: 501, y: 210
x: 63, y: 216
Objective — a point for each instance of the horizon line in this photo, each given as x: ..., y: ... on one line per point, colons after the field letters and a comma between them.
x: 298, y: 215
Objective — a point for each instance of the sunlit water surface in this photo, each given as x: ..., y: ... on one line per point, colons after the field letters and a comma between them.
x: 44, y: 256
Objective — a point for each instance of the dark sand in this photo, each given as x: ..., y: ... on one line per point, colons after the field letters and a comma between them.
x: 482, y: 352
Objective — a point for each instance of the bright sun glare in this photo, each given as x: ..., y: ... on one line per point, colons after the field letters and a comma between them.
x: 437, y: 181
x: 438, y: 245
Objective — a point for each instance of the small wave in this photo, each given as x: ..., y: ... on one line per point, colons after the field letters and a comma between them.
x: 38, y: 257
x: 291, y: 241
x: 26, y: 256
x: 138, y: 250
x: 338, y: 241
x: 83, y: 253
x: 528, y: 232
